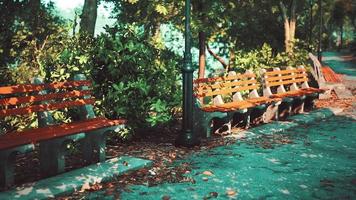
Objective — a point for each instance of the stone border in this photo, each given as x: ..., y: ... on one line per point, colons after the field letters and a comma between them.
x: 69, y: 182
x: 291, y: 122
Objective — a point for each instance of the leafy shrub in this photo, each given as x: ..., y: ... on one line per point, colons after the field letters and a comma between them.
x: 265, y: 58
x: 133, y: 78
x: 136, y: 78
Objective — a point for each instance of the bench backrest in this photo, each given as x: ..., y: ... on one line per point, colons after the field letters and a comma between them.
x: 232, y: 84
x: 25, y: 99
x: 283, y: 80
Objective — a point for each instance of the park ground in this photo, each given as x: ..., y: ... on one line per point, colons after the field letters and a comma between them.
x: 311, y: 161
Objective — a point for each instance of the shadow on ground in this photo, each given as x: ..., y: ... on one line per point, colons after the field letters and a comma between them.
x: 314, y: 161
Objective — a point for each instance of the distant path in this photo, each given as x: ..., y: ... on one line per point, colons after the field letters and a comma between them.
x: 341, y: 63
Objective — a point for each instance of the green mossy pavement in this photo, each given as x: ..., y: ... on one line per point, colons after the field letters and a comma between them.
x: 307, y: 159
x: 67, y: 183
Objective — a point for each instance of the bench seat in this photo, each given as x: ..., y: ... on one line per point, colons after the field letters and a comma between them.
x: 231, y: 100
x: 74, y: 98
x: 297, y: 93
x: 238, y: 105
x: 33, y: 136
x: 290, y: 84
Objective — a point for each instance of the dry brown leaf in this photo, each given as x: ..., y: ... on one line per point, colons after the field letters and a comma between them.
x: 85, y: 186
x: 231, y: 192
x: 208, y: 173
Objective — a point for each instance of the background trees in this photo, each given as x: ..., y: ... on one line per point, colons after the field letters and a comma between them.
x: 135, y: 64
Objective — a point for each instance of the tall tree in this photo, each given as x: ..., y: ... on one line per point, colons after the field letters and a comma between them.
x: 339, y: 14
x: 289, y: 25
x: 88, y: 17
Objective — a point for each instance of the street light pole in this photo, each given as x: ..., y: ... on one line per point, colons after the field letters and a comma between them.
x: 187, y: 137
x: 320, y: 30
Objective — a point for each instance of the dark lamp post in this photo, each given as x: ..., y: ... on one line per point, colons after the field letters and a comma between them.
x: 187, y: 137
x: 320, y: 31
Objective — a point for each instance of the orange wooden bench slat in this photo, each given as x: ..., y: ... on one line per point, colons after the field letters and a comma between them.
x: 277, y: 83
x: 225, y: 84
x: 40, y: 134
x: 225, y: 78
x: 46, y: 97
x: 277, y: 78
x: 45, y: 107
x: 261, y: 100
x: 287, y: 71
x: 313, y: 90
x: 225, y: 91
x: 293, y: 93
x: 33, y: 88
x: 226, y: 107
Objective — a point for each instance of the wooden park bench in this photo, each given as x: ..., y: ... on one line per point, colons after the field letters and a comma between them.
x: 222, y: 98
x: 52, y: 138
x: 291, y: 85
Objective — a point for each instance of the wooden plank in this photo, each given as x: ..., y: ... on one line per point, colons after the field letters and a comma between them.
x: 225, y: 78
x: 287, y: 71
x: 277, y: 78
x: 228, y: 107
x: 271, y: 84
x: 45, y: 107
x: 225, y: 91
x: 33, y: 88
x: 46, y: 97
x: 33, y: 136
x: 225, y: 85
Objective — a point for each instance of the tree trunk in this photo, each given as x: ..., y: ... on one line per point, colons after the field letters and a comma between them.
x: 202, y: 56
x: 292, y: 24
x: 286, y: 26
x: 341, y: 37
x: 88, y: 17
x: 311, y: 23
x: 289, y: 25
x: 34, y: 8
x: 217, y: 57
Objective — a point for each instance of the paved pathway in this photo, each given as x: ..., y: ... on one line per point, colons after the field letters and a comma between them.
x: 315, y: 161
x: 341, y: 63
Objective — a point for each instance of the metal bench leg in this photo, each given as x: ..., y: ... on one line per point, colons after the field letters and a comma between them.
x: 7, y: 164
x: 242, y: 119
x: 284, y: 110
x: 258, y: 114
x: 271, y: 113
x: 298, y: 105
x: 52, y: 154
x: 309, y: 104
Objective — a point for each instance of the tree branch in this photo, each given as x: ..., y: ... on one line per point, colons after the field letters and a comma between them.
x: 283, y: 10
x: 217, y: 57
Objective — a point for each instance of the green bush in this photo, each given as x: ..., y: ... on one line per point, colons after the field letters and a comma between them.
x: 133, y: 78
x: 136, y: 78
x: 265, y: 58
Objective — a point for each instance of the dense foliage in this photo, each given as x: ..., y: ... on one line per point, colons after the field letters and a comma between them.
x: 135, y: 75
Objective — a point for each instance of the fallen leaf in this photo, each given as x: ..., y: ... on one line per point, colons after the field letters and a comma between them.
x: 208, y: 173
x: 125, y: 163
x: 214, y: 194
x: 231, y: 192
x: 85, y: 186
x: 166, y: 197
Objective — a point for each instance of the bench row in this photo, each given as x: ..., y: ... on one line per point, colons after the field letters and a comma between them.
x: 51, y: 138
x: 236, y: 98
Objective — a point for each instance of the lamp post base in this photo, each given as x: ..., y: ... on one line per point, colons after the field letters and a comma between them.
x: 187, y: 139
